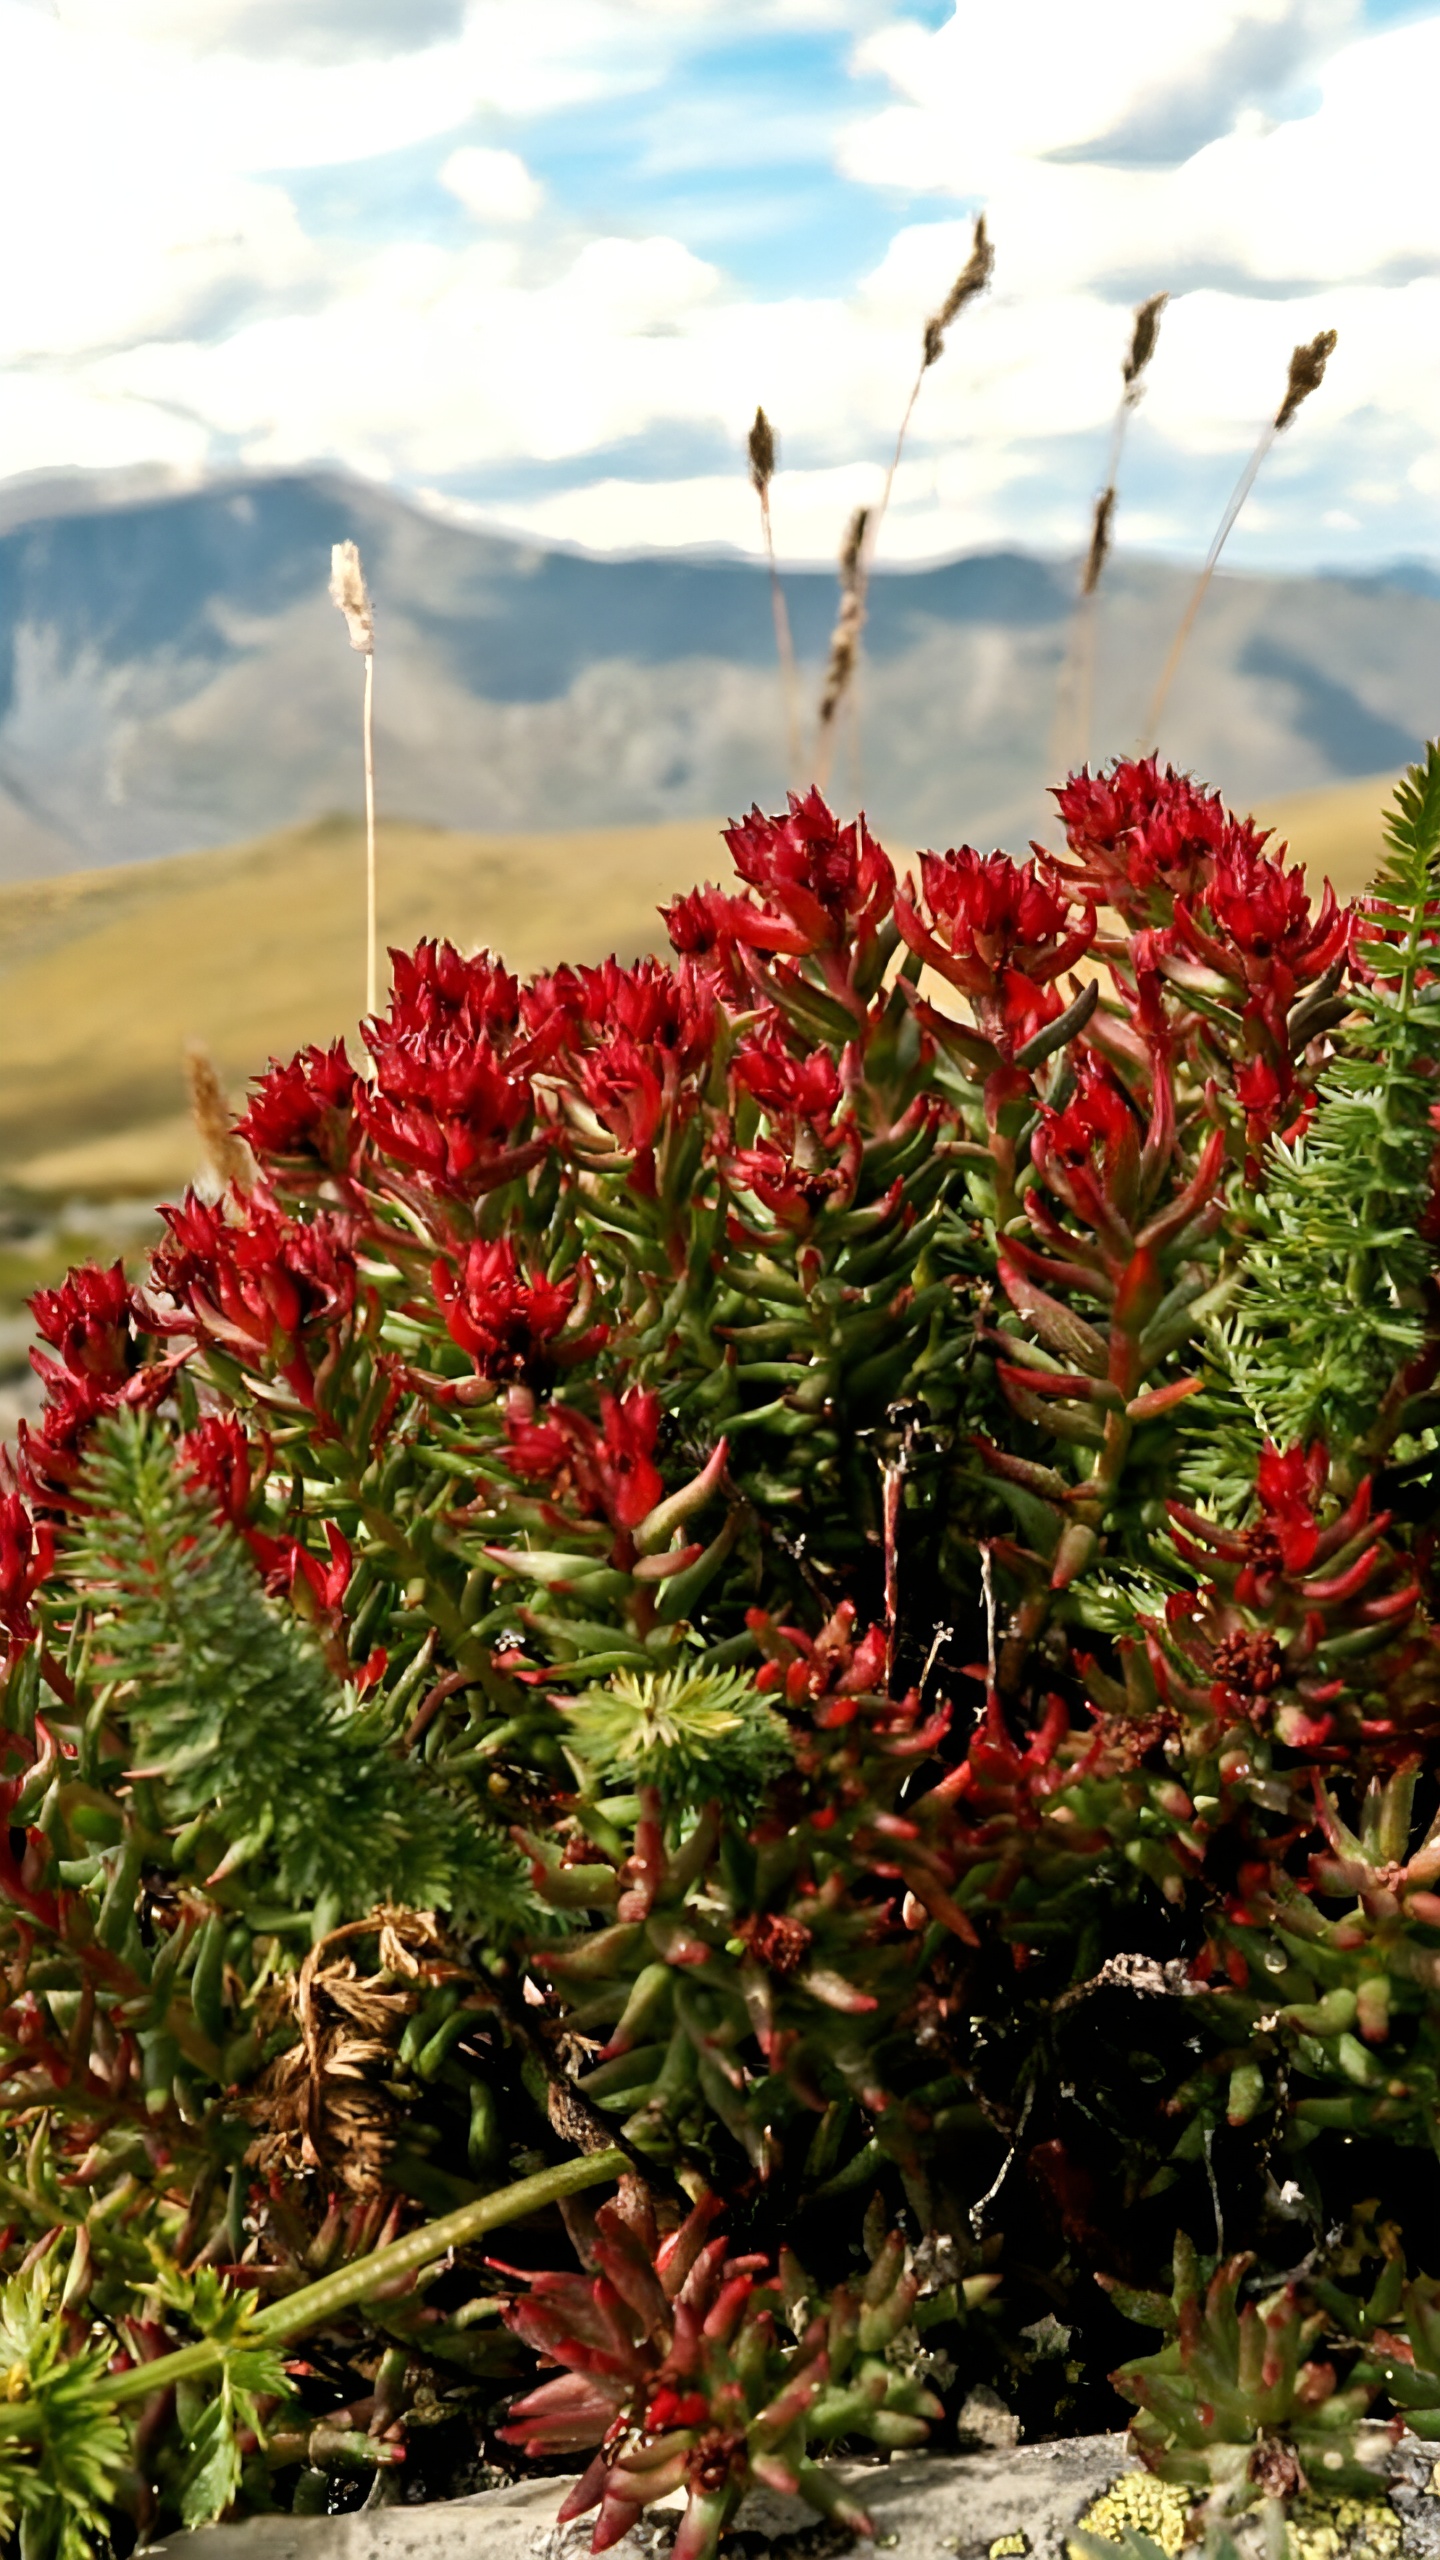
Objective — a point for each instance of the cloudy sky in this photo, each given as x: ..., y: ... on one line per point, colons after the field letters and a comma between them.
x: 542, y: 257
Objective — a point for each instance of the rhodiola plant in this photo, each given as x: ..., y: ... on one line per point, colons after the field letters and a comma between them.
x: 728, y: 1582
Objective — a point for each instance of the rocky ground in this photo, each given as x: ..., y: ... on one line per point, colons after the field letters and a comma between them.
x: 997, y: 2504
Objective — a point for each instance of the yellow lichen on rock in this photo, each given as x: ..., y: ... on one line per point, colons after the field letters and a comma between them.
x: 1008, y: 2546
x: 1320, y: 2527
x: 1343, y: 2528
x: 1139, y: 2503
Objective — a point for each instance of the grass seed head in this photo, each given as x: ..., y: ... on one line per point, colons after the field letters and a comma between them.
x: 1307, y: 372
x: 1099, y: 541
x: 228, y: 1159
x: 1143, y: 342
x: 349, y: 591
x: 762, y: 454
x: 845, y: 638
x: 972, y: 279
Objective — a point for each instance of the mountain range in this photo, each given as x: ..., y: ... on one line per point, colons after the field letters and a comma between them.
x: 173, y: 676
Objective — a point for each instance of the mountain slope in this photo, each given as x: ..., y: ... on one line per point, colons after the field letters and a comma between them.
x: 172, y: 677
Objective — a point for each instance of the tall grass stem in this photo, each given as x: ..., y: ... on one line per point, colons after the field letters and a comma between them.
x: 1307, y: 372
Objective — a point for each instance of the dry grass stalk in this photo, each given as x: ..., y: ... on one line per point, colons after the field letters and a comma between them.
x: 972, y: 280
x: 1307, y: 372
x: 227, y: 1158
x: 349, y: 591
x: 844, y: 641
x: 1070, y: 741
x: 762, y: 454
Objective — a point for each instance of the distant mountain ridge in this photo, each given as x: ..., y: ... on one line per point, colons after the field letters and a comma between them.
x: 172, y: 675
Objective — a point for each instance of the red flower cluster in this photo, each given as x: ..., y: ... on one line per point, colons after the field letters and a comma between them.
x: 218, y: 1456
x: 1000, y: 932
x: 607, y: 1472
x: 453, y: 1062
x: 644, y: 2345
x: 266, y: 1287
x: 27, y: 1552
x: 1293, y: 1611
x: 93, y: 1324
x: 810, y: 1155
x: 302, y: 1112
x: 833, y: 885
x: 1142, y: 837
x: 1253, y: 936
x: 1107, y: 1164
x: 712, y: 929
x: 634, y: 1045
x: 507, y: 1319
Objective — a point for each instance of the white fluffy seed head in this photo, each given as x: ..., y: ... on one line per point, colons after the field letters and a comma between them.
x: 349, y: 591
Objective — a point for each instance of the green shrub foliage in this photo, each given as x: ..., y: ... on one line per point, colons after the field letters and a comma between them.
x: 815, y: 1562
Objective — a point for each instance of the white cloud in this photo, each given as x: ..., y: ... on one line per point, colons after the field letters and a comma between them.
x: 171, y: 303
x: 494, y: 185
x: 1043, y: 76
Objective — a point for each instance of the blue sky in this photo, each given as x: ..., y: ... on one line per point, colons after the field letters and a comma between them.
x: 538, y: 259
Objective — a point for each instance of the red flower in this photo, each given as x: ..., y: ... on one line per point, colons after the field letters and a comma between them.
x: 1287, y: 1483
x: 504, y: 1318
x: 271, y: 1289
x: 712, y: 929
x: 302, y: 1109
x: 1001, y: 932
x: 445, y: 1107
x: 636, y: 1043
x: 454, y: 1058
x: 785, y: 1086
x: 218, y: 1456
x: 611, y: 1470
x: 436, y: 989
x: 1090, y: 1151
x: 1286, y: 1539
x: 27, y: 1551
x: 810, y: 1156
x: 93, y: 1322
x: 89, y: 1320
x: 832, y: 885
x: 1143, y: 837
x: 1259, y: 935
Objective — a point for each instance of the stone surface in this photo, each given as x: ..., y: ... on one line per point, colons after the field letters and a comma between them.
x: 925, y: 2507
x: 956, y: 2505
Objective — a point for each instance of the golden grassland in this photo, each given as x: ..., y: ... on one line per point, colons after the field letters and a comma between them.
x: 105, y: 975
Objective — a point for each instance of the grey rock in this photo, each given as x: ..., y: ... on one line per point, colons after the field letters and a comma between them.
x: 922, y: 2506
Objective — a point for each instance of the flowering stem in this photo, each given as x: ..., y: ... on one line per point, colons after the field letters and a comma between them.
x: 368, y: 717
x: 364, y: 2278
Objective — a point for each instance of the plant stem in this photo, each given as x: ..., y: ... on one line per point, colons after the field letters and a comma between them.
x: 370, y: 926
x: 784, y: 650
x: 365, y: 2277
x: 1238, y: 496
